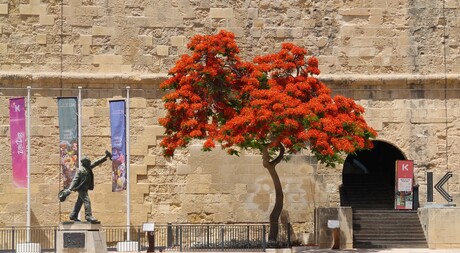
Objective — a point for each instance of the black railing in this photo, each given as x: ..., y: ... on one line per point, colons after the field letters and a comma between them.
x: 167, y: 237
x: 14, y: 237
x: 210, y: 237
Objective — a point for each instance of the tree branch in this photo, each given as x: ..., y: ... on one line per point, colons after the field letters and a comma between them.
x: 280, y: 156
x: 265, y: 156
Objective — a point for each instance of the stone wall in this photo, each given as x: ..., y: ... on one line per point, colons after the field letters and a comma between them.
x: 397, y: 58
x: 145, y: 36
x: 417, y: 115
x: 440, y: 225
x: 194, y: 187
x: 200, y: 186
x: 324, y: 218
x: 45, y: 158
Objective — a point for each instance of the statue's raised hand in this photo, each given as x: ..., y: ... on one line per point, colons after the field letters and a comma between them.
x: 108, y: 154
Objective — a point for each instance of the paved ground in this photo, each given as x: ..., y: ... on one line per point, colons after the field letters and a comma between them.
x: 350, y: 251
x: 386, y: 251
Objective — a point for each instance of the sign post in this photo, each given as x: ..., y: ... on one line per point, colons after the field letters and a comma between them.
x: 335, y: 226
x: 150, y: 229
x: 404, y: 184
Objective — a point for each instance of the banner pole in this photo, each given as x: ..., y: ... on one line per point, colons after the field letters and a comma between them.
x: 28, y: 163
x: 79, y: 131
x: 79, y: 125
x: 128, y: 171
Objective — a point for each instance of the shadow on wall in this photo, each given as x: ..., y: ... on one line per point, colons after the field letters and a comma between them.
x: 342, y: 215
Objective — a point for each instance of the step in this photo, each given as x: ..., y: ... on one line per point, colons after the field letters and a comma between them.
x: 374, y: 212
x: 387, y: 231
x: 388, y: 237
x: 390, y: 220
x: 390, y: 228
x: 395, y: 244
x: 385, y: 213
x: 408, y: 220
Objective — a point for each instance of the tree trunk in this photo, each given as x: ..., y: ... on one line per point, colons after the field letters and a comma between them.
x: 279, y: 197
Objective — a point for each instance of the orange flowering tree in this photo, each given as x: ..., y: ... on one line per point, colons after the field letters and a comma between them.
x: 274, y: 104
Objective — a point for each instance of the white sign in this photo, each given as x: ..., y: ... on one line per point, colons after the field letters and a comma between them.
x: 404, y: 184
x: 333, y: 224
x: 148, y: 227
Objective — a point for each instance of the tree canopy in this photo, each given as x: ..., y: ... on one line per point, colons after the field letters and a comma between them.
x: 274, y: 103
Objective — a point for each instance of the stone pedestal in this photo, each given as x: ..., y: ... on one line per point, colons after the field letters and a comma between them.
x: 128, y: 246
x: 76, y: 237
x: 28, y: 248
x: 441, y: 225
x: 325, y: 231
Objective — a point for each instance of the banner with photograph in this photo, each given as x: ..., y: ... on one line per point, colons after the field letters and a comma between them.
x: 18, y: 141
x: 118, y: 133
x: 68, y: 138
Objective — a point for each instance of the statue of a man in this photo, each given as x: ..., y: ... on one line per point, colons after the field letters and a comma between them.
x: 82, y: 182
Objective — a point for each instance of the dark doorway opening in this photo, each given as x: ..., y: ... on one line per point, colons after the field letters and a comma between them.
x: 368, y: 178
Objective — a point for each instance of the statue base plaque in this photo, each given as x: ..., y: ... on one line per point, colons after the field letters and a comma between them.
x: 76, y: 237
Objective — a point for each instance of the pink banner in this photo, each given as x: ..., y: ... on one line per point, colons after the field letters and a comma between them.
x: 18, y: 141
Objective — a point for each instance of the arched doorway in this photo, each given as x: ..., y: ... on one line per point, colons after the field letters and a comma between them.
x: 368, y: 177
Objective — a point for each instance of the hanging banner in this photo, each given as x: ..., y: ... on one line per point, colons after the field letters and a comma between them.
x: 404, y: 184
x: 68, y: 138
x: 18, y: 141
x: 118, y: 133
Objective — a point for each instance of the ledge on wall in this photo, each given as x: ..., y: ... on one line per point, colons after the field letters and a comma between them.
x: 93, y: 80
x: 51, y: 79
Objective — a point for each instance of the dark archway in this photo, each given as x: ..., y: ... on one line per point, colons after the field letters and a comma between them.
x: 368, y: 177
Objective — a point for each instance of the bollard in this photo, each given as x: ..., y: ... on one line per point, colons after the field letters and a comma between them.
x: 336, y: 238
x: 334, y: 225
x: 151, y: 237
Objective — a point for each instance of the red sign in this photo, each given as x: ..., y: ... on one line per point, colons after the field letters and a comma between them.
x: 404, y: 183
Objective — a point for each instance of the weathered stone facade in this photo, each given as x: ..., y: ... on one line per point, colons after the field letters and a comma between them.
x: 400, y: 59
x: 145, y: 36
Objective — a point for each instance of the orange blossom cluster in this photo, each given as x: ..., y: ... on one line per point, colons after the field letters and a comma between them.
x: 274, y: 101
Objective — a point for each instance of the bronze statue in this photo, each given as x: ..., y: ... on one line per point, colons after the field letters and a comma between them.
x: 82, y: 182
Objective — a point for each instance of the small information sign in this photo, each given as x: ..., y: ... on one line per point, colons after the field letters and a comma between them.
x: 148, y: 227
x: 333, y: 224
x: 405, y: 184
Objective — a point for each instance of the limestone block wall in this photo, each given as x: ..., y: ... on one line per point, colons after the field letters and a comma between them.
x: 440, y: 225
x: 200, y: 186
x: 398, y: 58
x: 419, y: 116
x: 147, y: 36
x: 344, y: 215
x: 222, y: 188
x: 193, y: 187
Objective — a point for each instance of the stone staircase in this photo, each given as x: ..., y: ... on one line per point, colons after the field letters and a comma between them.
x: 375, y: 222
x: 387, y: 229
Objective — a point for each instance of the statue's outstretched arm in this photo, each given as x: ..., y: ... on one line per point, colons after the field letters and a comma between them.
x: 102, y: 159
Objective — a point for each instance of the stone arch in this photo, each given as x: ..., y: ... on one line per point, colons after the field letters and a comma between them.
x: 368, y: 177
